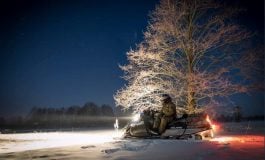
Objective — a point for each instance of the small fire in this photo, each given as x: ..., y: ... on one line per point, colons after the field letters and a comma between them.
x: 213, y: 126
x: 208, y: 119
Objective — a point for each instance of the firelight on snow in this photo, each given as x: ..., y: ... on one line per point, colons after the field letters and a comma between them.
x: 238, y: 139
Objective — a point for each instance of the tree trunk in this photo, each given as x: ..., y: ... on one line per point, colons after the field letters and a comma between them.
x: 191, y: 103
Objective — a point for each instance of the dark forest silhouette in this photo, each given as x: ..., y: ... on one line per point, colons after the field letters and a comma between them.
x: 89, y: 115
x: 73, y: 117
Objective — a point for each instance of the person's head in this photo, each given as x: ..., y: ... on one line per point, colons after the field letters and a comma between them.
x: 146, y: 111
x: 166, y: 98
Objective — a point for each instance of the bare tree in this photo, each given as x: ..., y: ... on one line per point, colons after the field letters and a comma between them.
x: 192, y: 50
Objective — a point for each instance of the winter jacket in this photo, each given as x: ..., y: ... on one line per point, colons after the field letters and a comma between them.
x: 169, y: 109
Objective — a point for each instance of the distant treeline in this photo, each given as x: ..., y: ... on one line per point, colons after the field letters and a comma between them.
x: 236, y: 115
x: 88, y: 109
x: 233, y: 118
x: 89, y: 115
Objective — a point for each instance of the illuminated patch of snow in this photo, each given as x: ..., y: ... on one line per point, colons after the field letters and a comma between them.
x: 30, y: 141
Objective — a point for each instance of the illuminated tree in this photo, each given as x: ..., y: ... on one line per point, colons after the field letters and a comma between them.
x: 192, y: 50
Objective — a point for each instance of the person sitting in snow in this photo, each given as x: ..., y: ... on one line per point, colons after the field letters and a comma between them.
x: 166, y: 115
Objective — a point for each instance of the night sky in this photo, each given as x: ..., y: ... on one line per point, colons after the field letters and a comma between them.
x: 61, y: 53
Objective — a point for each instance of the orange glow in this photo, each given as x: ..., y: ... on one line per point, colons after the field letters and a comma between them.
x: 224, y: 139
x: 241, y: 139
x: 213, y: 126
x: 208, y: 119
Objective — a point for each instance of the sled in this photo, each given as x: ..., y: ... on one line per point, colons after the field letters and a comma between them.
x: 195, y: 126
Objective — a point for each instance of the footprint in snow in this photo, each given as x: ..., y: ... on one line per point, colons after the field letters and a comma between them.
x: 112, y: 150
x: 86, y: 147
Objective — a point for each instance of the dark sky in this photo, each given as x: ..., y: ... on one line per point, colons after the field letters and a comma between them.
x: 60, y: 53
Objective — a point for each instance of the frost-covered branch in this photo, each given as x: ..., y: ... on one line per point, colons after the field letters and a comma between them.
x: 192, y: 50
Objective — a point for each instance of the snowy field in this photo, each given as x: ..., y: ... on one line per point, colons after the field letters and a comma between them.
x: 234, y: 141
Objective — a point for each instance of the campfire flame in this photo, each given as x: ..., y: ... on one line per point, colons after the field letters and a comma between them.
x: 213, y: 126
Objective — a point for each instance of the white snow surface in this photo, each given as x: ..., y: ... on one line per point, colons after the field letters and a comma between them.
x: 240, y: 141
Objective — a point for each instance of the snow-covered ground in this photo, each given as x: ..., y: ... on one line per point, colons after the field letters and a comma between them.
x: 234, y: 141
